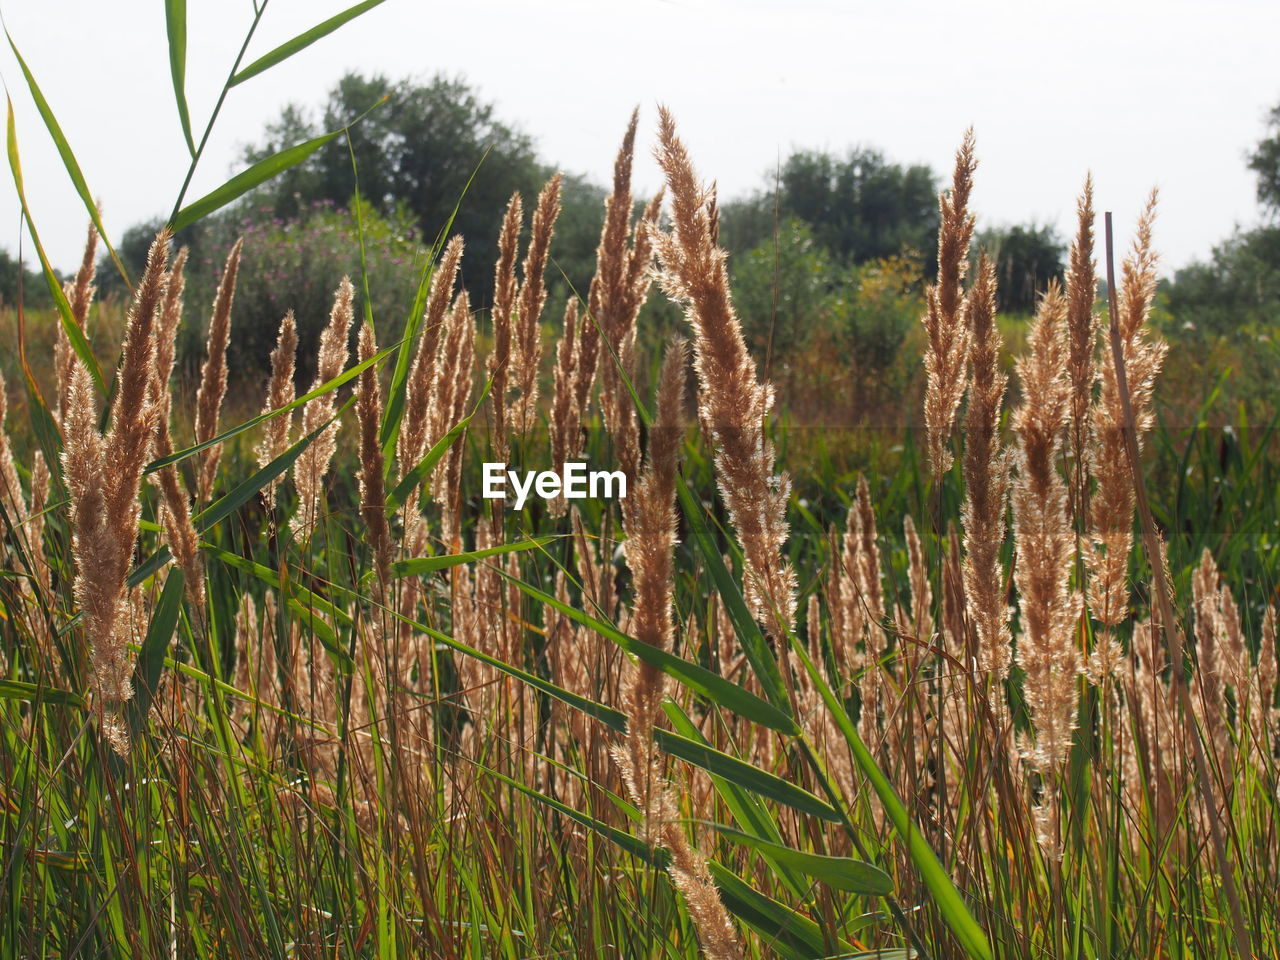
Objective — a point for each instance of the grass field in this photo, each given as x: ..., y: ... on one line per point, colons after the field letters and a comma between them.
x: 286, y: 684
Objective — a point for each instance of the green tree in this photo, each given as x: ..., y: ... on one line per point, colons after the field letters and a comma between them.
x: 1026, y: 259
x: 1265, y: 162
x: 1239, y: 286
x: 420, y: 147
x: 859, y: 206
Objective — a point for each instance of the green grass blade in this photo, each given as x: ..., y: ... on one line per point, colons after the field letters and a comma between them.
x: 752, y: 638
x: 944, y: 892
x: 742, y: 774
x: 839, y: 873
x: 22, y: 690
x: 69, y: 162
x: 146, y: 675
x: 747, y: 809
x: 246, y: 180
x: 790, y: 933
x: 420, y: 565
x: 418, y: 475
x: 252, y: 422
x: 74, y: 333
x: 175, y: 21
x: 389, y: 432
x: 302, y: 41
x: 700, y: 680
x: 232, y: 501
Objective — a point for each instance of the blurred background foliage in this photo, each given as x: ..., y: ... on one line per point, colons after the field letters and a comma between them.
x: 829, y: 257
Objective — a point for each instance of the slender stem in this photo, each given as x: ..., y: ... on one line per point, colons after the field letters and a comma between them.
x: 1173, y: 636
x: 259, y: 10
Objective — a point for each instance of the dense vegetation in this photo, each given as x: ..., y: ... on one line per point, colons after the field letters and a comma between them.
x: 284, y: 684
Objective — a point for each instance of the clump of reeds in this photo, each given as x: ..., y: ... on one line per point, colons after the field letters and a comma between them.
x: 733, y: 403
x: 103, y: 474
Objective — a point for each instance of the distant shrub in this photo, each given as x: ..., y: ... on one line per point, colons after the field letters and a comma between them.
x: 296, y: 264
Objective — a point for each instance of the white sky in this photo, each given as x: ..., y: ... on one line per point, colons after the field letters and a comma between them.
x: 1170, y: 94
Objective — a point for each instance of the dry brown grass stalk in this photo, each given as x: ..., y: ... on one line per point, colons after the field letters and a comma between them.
x: 1082, y: 326
x: 213, y: 375
x: 1111, y: 510
x: 504, y: 304
x: 733, y: 402
x: 11, y: 497
x: 103, y: 475
x: 566, y: 416
x: 373, y: 491
x: 175, y: 509
x: 986, y: 476
x: 1050, y: 608
x: 618, y: 291
x: 277, y: 431
x: 449, y: 402
x: 416, y: 425
x: 310, y: 467
x: 532, y: 298
x: 80, y: 294
x: 943, y: 320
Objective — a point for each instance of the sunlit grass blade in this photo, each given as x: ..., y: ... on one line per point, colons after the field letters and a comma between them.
x: 302, y: 41
x: 246, y: 180
x: 418, y: 475
x: 74, y: 333
x: 342, y: 378
x: 745, y: 806
x: 69, y: 162
x: 420, y: 565
x: 944, y: 892
x: 34, y: 692
x: 711, y: 685
x: 752, y: 638
x: 788, y: 932
x: 839, y: 873
x: 175, y: 21
x: 232, y: 501
x: 164, y: 620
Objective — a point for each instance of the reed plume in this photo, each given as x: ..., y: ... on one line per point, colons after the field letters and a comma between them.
x: 175, y: 509
x: 651, y: 540
x: 1208, y: 687
x: 1082, y: 326
x: 310, y: 467
x: 986, y: 476
x: 213, y: 375
x: 373, y: 491
x: 80, y: 294
x: 103, y: 475
x: 280, y: 393
x: 449, y: 403
x: 416, y: 427
x: 1111, y: 510
x: 532, y: 298
x: 566, y: 416
x: 504, y: 303
x: 618, y: 291
x: 1047, y: 650
x: 732, y: 402
x: 11, y: 498
x: 943, y: 320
